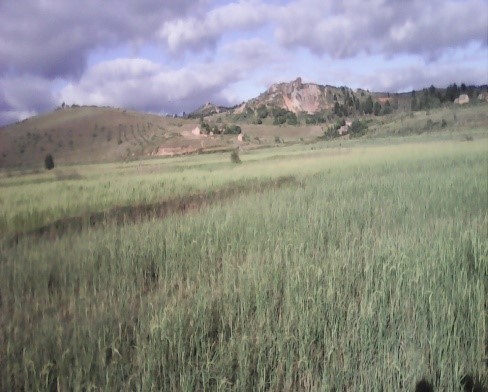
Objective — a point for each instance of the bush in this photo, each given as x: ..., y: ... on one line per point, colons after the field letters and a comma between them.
x: 358, y: 128
x: 232, y: 129
x: 234, y: 156
x: 49, y: 162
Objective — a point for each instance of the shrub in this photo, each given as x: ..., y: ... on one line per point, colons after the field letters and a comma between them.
x: 234, y: 156
x: 358, y: 128
x: 232, y: 129
x: 49, y: 162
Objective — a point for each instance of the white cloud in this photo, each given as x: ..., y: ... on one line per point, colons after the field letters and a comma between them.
x: 145, y: 85
x: 197, y: 33
x: 345, y: 29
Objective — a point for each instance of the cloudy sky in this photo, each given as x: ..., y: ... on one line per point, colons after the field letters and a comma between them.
x: 169, y: 56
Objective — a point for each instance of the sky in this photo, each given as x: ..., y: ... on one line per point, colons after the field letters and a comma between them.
x: 171, y: 56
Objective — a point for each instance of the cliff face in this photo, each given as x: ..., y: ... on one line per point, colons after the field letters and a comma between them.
x: 299, y: 97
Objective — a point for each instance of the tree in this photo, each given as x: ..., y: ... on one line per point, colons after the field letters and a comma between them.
x: 232, y: 129
x: 234, y: 156
x: 262, y: 112
x: 368, y: 105
x: 49, y: 162
x: 357, y: 128
x: 387, y: 108
x: 414, y: 105
x: 337, y: 109
x: 377, y: 108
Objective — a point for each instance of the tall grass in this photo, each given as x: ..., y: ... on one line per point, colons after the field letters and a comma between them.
x: 28, y: 202
x: 366, y: 277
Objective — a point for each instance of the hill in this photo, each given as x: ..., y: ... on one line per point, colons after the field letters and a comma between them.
x: 285, y: 112
x: 310, y: 103
x: 207, y: 109
x: 94, y: 134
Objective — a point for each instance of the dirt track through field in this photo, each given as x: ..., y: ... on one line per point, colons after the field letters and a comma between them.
x: 128, y: 214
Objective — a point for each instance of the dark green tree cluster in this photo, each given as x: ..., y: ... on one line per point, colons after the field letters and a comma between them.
x: 231, y: 129
x: 387, y: 109
x: 316, y: 118
x: 428, y: 99
x: 358, y: 128
x: 433, y: 97
x: 377, y: 108
x: 262, y: 112
x: 224, y: 129
x: 204, y: 126
x: 367, y: 105
x: 282, y: 116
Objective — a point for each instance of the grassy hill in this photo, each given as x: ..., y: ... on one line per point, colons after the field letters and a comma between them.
x: 95, y: 134
x: 90, y: 134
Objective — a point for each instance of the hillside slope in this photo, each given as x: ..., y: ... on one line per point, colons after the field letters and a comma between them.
x: 93, y: 134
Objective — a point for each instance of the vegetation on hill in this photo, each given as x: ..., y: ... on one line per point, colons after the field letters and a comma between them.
x: 91, y: 134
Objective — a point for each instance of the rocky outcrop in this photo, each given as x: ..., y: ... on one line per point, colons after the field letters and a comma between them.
x: 300, y: 97
x: 462, y: 100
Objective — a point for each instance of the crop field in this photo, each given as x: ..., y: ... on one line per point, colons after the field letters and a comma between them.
x: 335, y: 266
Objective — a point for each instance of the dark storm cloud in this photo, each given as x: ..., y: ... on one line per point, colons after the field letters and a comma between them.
x: 25, y: 96
x: 26, y: 93
x: 52, y: 38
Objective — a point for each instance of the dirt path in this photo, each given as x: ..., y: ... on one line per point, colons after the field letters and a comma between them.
x: 121, y: 215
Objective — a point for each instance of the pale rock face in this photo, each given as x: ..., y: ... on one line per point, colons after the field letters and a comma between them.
x: 239, y: 137
x: 463, y: 99
x: 197, y: 131
x: 297, y: 97
x: 305, y: 98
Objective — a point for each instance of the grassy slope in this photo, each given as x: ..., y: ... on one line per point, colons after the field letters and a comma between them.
x: 369, y: 276
x: 90, y: 134
x: 31, y: 201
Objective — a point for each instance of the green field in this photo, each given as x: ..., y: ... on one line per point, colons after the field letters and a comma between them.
x: 365, y: 272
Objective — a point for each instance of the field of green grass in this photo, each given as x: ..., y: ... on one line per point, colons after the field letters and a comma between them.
x: 367, y: 272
